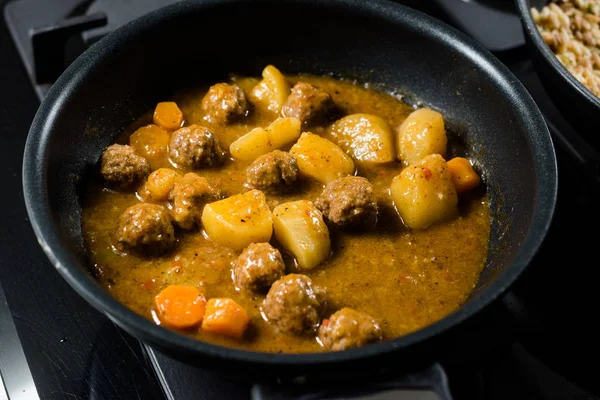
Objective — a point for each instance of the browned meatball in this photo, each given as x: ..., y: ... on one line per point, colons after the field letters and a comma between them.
x: 348, y: 328
x: 348, y: 202
x: 122, y: 166
x: 309, y: 103
x: 224, y: 103
x: 276, y: 171
x: 259, y: 265
x: 294, y: 304
x: 189, y: 196
x: 195, y: 147
x: 145, y: 229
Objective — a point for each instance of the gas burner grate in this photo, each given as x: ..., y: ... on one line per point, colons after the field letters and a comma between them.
x: 50, y: 34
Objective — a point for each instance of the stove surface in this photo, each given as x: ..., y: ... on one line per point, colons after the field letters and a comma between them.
x: 53, y: 345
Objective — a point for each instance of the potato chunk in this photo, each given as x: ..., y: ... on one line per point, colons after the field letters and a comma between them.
x: 424, y: 194
x: 320, y: 158
x: 365, y: 137
x: 239, y: 220
x: 422, y: 133
x: 300, y: 229
x: 273, y: 90
x: 280, y: 133
x: 159, y: 185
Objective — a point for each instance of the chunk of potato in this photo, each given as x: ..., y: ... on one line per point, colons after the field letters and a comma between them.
x: 300, y: 229
x: 320, y: 158
x: 424, y: 194
x: 280, y: 133
x: 239, y: 220
x: 273, y: 90
x: 365, y: 137
x: 422, y: 133
x: 159, y: 185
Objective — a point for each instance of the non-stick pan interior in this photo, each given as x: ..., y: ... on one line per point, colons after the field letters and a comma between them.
x: 127, y: 73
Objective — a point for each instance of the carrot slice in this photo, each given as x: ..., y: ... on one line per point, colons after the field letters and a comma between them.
x: 464, y: 176
x: 151, y: 142
x: 168, y: 115
x: 180, y: 306
x: 225, y: 317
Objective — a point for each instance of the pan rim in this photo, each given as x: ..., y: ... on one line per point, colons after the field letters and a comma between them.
x: 40, y: 213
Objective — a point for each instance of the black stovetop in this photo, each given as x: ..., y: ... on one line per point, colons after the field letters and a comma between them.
x: 53, y: 345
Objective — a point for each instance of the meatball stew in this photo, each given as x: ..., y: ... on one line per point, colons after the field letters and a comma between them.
x: 287, y: 214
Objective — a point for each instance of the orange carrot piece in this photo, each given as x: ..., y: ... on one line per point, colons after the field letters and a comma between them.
x: 168, y: 115
x: 151, y: 142
x: 463, y: 175
x: 180, y: 306
x: 225, y: 317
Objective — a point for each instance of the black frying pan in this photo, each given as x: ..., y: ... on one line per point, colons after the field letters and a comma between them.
x: 579, y: 106
x: 383, y: 43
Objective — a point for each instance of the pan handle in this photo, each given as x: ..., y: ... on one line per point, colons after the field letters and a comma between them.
x: 429, y: 383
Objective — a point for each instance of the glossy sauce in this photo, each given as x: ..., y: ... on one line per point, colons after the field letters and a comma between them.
x: 405, y: 279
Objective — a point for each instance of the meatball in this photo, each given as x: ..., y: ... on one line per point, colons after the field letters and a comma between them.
x: 348, y: 328
x: 309, y: 103
x: 122, y: 166
x: 145, y: 229
x: 276, y: 171
x: 259, y: 265
x: 348, y: 202
x: 224, y: 103
x: 294, y: 304
x: 195, y: 147
x: 189, y: 196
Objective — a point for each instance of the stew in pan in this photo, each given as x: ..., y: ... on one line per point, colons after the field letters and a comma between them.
x: 287, y: 214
